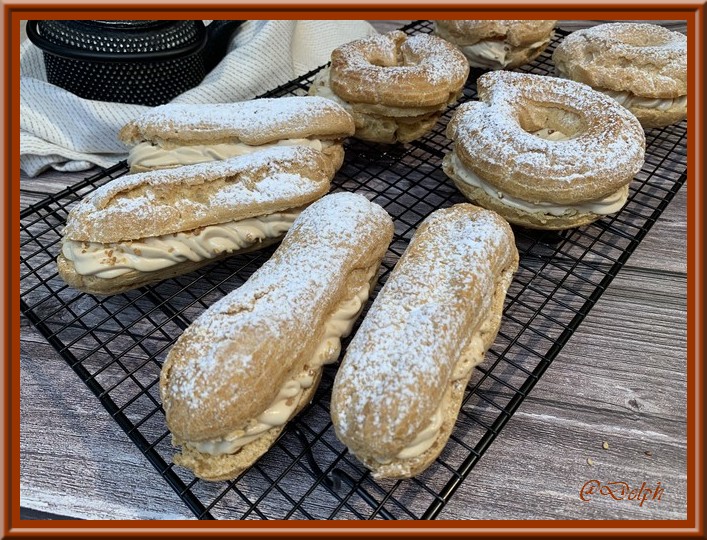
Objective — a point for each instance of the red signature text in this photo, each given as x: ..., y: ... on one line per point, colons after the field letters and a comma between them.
x: 621, y: 491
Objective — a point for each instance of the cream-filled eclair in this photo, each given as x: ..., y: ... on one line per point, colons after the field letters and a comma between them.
x: 254, y: 359
x: 398, y: 391
x: 183, y: 134
x: 146, y: 227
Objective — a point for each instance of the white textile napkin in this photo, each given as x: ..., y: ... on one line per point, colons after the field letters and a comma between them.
x: 61, y: 130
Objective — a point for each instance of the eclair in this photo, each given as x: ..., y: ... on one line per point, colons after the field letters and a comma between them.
x: 400, y: 385
x: 183, y: 134
x: 145, y: 227
x: 254, y: 359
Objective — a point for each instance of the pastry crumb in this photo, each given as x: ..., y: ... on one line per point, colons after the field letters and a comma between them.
x: 605, y: 445
x: 590, y: 461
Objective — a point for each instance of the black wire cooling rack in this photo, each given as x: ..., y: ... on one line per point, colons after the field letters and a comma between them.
x: 116, y: 345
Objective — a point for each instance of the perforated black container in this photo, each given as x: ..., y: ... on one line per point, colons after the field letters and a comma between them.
x: 142, y: 62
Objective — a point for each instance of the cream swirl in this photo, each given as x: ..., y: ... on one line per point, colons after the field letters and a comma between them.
x: 492, y: 53
x: 604, y: 206
x: 288, y: 398
x: 629, y: 100
x: 551, y: 135
x: 472, y: 356
x: 156, y: 253
x: 147, y: 155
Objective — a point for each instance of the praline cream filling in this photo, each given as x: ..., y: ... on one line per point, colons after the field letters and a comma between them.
x: 629, y: 100
x: 607, y: 205
x: 492, y: 53
x: 158, y: 252
x: 472, y: 357
x: 288, y: 398
x: 152, y: 156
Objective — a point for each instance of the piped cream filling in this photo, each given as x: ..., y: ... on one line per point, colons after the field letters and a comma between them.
x: 492, y: 53
x: 629, y: 100
x: 288, y: 398
x: 151, y: 156
x: 158, y: 252
x: 607, y: 205
x: 551, y: 135
x: 321, y: 87
x: 472, y: 357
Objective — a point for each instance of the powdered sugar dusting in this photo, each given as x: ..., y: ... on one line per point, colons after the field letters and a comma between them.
x: 418, y: 326
x: 609, y: 143
x: 647, y: 60
x: 243, y: 120
x: 439, y: 61
x: 288, y: 296
x: 149, y: 198
x: 388, y: 66
x: 651, y: 39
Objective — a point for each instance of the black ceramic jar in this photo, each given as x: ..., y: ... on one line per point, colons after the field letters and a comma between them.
x: 143, y: 62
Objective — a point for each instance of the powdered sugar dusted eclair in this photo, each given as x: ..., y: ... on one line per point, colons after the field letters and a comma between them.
x: 253, y: 360
x: 182, y: 134
x: 400, y: 385
x: 146, y: 227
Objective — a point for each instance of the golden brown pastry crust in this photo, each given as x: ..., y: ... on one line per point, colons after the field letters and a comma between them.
x: 655, y: 118
x: 229, y: 365
x: 255, y: 122
x: 524, y: 41
x: 228, y: 466
x: 531, y: 220
x: 645, y: 60
x: 394, y: 85
x: 398, y: 70
x: 185, y: 198
x: 440, y: 307
x: 515, y: 33
x: 493, y: 139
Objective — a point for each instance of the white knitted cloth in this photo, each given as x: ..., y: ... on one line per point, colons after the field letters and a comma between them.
x: 61, y: 130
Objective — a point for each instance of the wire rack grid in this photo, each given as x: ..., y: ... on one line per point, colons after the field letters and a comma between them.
x: 116, y: 345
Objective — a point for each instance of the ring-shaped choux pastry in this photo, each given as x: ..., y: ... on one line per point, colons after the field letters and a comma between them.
x: 642, y: 66
x: 544, y: 152
x: 498, y: 44
x: 395, y: 86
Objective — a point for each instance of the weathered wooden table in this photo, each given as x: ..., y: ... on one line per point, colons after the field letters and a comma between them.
x: 620, y: 380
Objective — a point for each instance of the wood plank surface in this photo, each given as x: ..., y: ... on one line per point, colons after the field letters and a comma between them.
x: 621, y: 380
